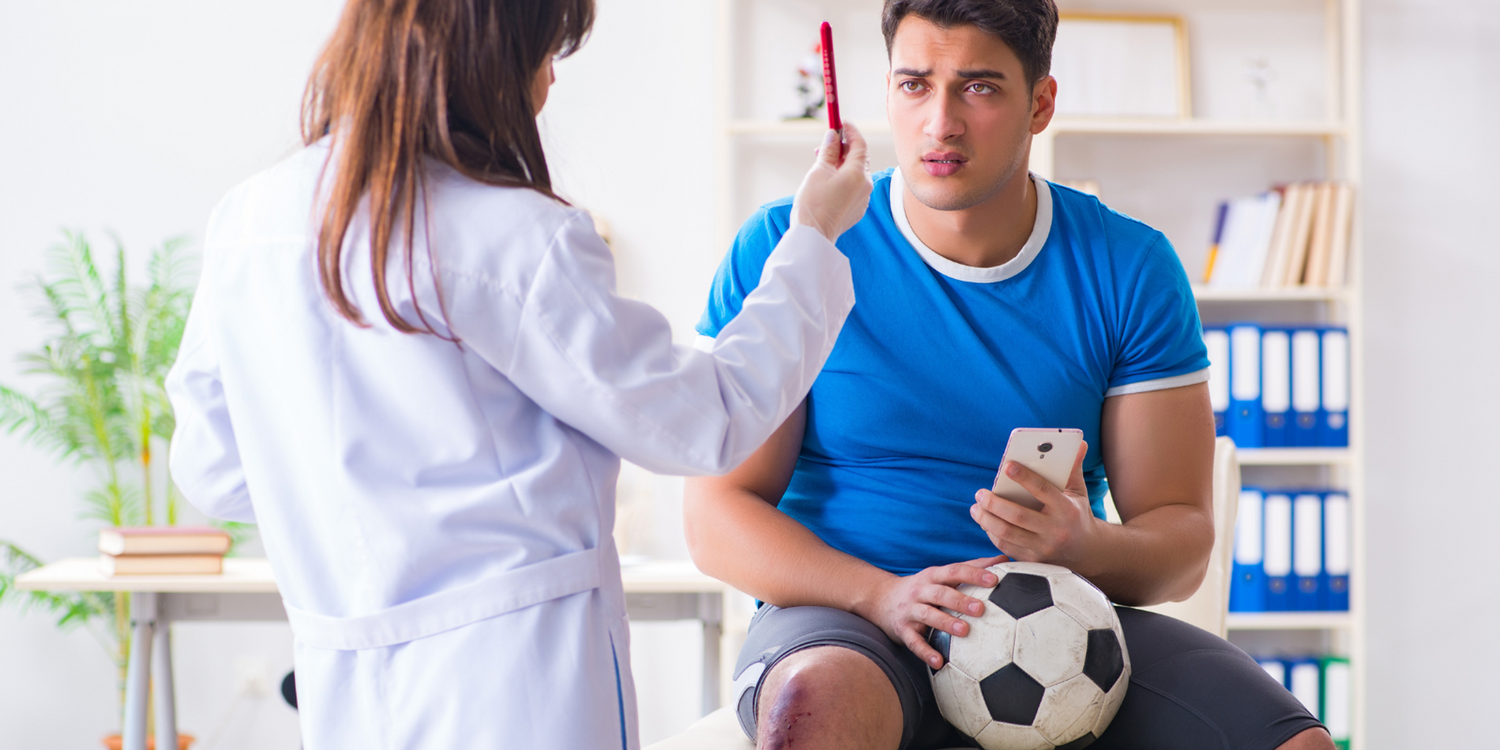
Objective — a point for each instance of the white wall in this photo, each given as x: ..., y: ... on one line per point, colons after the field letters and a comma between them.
x: 137, y: 116
x: 1433, y: 182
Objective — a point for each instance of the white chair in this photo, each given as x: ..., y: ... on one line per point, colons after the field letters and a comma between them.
x: 1206, y: 608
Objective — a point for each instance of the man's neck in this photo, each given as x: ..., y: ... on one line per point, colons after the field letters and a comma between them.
x: 986, y: 235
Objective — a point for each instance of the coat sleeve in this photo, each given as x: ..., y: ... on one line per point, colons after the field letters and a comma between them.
x: 205, y: 458
x: 606, y: 365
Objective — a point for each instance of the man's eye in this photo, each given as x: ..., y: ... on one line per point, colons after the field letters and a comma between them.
x: 911, y: 86
x: 982, y: 88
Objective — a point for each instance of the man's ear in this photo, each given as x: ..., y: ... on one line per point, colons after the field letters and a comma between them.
x: 1043, y: 104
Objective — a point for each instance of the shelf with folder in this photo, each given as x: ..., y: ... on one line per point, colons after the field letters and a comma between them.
x: 1290, y: 621
x: 1294, y: 456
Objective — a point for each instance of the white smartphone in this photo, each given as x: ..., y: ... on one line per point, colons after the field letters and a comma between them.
x: 1049, y: 452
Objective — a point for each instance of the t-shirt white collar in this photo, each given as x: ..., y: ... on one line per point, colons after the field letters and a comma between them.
x: 1039, y: 232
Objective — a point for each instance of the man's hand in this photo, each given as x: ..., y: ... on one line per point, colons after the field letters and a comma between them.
x: 905, y: 608
x: 1059, y: 533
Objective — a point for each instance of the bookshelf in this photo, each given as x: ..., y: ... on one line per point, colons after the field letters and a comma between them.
x: 1167, y: 172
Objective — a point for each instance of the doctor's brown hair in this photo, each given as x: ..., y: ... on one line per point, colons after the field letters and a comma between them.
x: 402, y: 81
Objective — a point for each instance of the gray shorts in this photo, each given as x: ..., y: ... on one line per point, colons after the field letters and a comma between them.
x: 1188, y: 689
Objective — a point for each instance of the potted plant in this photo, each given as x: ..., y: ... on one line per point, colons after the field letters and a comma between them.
x: 103, y: 405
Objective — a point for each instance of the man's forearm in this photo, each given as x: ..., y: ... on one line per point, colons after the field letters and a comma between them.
x: 736, y: 536
x: 1158, y: 556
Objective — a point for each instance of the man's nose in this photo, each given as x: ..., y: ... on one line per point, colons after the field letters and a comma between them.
x: 943, y: 122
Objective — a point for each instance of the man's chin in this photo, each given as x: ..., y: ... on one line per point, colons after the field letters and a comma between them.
x: 946, y: 194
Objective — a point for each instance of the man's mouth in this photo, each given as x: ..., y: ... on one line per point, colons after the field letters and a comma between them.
x: 943, y: 164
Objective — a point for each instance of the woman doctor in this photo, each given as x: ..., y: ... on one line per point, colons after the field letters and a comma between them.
x: 407, y: 364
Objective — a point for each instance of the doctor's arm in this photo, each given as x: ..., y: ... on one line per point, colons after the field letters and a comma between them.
x: 607, y: 366
x: 736, y: 533
x: 205, y: 458
x: 1158, y: 455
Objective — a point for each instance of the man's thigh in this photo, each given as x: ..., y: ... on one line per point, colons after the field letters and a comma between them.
x: 1190, y: 689
x: 777, y: 633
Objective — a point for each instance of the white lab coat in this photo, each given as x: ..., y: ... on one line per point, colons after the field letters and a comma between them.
x: 438, y: 517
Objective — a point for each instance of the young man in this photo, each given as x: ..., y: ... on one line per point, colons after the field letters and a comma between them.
x: 988, y: 300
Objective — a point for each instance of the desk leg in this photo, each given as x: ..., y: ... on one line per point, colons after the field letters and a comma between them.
x: 713, y: 634
x: 166, y: 698
x: 138, y: 675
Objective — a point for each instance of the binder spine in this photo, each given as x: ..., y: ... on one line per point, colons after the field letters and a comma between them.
x: 1336, y: 550
x: 1245, y: 418
x: 1307, y: 553
x: 1307, y: 384
x: 1278, y: 552
x: 1247, y: 588
x: 1216, y: 340
x: 1334, y: 432
x: 1276, y: 387
x: 1334, y: 700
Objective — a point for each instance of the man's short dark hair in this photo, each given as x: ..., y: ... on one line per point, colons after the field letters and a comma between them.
x: 1028, y: 27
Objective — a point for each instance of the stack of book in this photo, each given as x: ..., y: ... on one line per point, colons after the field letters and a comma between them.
x: 1296, y: 235
x: 162, y: 550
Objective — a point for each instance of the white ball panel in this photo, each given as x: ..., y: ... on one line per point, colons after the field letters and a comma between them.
x: 999, y: 736
x: 988, y: 646
x: 1082, y: 602
x: 1051, y: 646
x: 1069, y: 710
x: 960, y: 701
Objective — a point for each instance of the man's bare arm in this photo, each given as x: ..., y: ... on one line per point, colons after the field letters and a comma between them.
x: 1158, y: 455
x: 735, y: 533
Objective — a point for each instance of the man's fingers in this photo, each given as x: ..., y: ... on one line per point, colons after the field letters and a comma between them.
x: 1032, y: 482
x: 1018, y: 542
x: 952, y: 599
x: 1008, y: 511
x: 919, y: 646
x: 1076, y: 483
x: 957, y: 573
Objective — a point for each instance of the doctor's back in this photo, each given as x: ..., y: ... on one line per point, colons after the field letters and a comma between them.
x: 406, y: 363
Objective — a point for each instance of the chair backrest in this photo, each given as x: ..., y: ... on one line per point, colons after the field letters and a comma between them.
x: 1208, y: 607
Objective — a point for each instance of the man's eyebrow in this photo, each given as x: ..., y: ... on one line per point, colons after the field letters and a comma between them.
x: 965, y: 74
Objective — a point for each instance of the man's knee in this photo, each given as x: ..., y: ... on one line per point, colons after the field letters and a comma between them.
x: 1311, y: 739
x: 836, y: 695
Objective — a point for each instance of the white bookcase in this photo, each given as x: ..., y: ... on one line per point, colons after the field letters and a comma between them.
x: 1169, y: 173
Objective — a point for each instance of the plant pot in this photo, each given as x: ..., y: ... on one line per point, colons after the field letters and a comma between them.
x: 116, y: 742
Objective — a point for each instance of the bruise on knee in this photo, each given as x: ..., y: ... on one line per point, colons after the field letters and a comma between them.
x: 792, y: 704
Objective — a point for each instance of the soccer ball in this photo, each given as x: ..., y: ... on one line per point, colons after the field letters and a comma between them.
x: 1044, y: 667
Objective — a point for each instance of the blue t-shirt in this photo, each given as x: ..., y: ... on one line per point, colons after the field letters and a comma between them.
x: 938, y: 362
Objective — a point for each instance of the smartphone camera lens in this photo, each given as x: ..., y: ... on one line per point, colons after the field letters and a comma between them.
x: 1044, y: 447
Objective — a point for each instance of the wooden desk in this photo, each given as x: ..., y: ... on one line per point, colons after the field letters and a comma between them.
x: 246, y: 591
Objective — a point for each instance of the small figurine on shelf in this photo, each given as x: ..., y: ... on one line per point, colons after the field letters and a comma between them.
x: 810, y: 85
x: 1260, y: 73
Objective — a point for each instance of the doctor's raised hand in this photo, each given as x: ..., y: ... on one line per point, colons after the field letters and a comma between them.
x: 407, y: 363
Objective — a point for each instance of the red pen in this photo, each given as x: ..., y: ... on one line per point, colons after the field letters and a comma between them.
x: 831, y: 88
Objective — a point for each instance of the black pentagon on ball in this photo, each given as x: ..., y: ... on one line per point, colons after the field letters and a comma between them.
x: 1012, y: 695
x: 941, y: 641
x: 1080, y: 743
x: 1020, y: 594
x: 1105, y: 660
